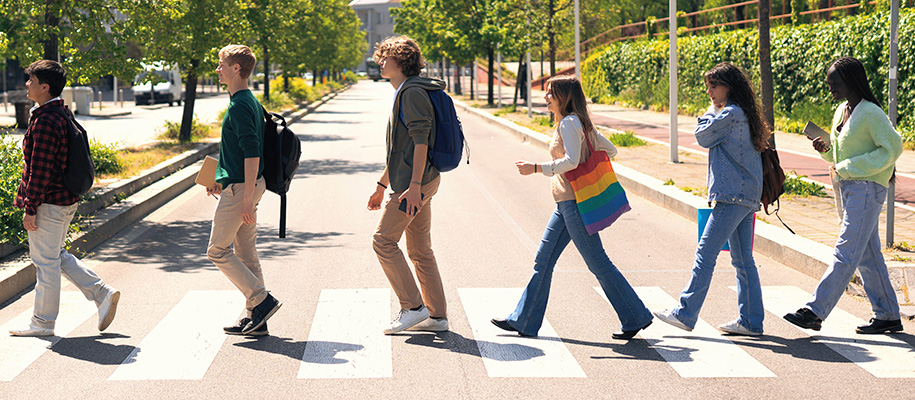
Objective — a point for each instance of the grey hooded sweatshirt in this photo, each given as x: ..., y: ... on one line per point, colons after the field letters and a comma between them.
x: 417, y: 126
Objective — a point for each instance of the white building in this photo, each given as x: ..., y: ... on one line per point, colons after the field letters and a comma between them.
x: 377, y: 21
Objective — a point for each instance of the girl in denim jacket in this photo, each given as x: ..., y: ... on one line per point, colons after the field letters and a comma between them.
x: 733, y: 131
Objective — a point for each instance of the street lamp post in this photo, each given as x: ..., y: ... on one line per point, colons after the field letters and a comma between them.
x: 894, y: 61
x: 673, y: 81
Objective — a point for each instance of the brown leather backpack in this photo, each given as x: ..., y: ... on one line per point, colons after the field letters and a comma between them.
x: 773, y: 183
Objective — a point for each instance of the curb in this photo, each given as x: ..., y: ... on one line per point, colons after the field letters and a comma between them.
x: 146, y: 193
x: 799, y: 253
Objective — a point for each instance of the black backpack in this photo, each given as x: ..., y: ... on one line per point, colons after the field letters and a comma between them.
x: 773, y: 183
x: 282, y: 151
x: 79, y: 174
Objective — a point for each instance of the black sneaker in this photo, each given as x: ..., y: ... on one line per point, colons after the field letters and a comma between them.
x: 804, y: 318
x: 262, y: 312
x: 238, y: 327
x: 880, y: 326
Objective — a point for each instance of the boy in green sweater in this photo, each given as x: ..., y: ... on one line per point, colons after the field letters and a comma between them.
x: 239, y: 180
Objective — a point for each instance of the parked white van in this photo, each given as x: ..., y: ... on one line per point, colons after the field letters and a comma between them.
x: 168, y: 89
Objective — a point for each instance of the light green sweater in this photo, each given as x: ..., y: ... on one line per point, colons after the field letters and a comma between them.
x: 867, y: 147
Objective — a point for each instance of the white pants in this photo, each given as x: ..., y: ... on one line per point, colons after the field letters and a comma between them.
x: 46, y: 248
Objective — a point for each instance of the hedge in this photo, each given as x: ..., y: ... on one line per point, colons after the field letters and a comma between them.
x: 636, y: 73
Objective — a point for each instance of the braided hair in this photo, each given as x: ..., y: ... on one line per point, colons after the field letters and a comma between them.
x: 852, y: 73
x: 740, y: 91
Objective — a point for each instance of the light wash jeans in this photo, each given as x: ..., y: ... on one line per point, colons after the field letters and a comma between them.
x: 46, y: 248
x: 566, y: 225
x: 858, y: 247
x: 731, y: 223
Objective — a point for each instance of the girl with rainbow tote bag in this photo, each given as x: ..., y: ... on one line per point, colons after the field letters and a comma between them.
x: 598, y: 194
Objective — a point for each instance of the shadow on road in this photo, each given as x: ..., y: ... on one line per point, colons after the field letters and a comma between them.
x: 336, y: 167
x: 94, y: 349
x: 454, y: 342
x: 323, y: 352
x: 321, y: 138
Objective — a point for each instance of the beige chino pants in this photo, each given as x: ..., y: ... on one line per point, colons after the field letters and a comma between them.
x: 394, y: 224
x: 241, y: 266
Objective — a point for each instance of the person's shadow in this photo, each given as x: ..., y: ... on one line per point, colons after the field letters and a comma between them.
x: 321, y: 352
x: 95, y: 349
x: 457, y: 343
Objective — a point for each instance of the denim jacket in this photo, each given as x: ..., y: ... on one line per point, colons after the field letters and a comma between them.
x: 734, y: 165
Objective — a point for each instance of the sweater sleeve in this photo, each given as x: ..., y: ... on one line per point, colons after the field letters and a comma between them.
x: 418, y: 114
x: 715, y: 128
x: 606, y: 145
x: 887, y: 140
x: 249, y: 140
x: 830, y: 156
x: 570, y: 130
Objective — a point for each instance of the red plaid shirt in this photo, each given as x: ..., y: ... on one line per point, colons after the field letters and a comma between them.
x: 44, y: 149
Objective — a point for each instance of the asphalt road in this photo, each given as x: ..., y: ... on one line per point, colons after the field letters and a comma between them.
x: 326, y: 340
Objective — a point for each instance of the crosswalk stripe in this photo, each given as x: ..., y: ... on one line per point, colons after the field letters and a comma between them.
x: 883, y: 356
x: 16, y: 353
x: 507, y: 355
x: 186, y: 340
x: 702, y: 353
x: 346, y: 339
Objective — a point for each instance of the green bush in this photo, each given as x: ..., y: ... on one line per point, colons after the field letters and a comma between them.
x: 796, y: 186
x: 11, y: 230
x: 279, y: 100
x: 350, y: 77
x: 636, y: 73
x: 105, y: 157
x: 504, y: 110
x: 198, y: 130
x: 626, y: 139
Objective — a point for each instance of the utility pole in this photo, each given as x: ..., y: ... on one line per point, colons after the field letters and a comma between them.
x: 673, y: 82
x: 894, y: 61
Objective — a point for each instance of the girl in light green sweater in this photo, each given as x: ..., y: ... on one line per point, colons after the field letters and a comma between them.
x: 864, y: 148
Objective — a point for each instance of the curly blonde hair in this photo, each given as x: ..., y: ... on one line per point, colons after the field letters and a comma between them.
x: 404, y: 51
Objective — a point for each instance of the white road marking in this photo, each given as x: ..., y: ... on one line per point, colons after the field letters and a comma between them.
x: 507, y: 355
x: 702, y: 353
x: 17, y: 353
x: 883, y: 356
x: 185, y: 342
x: 346, y: 339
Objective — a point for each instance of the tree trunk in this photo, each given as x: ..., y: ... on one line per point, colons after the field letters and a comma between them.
x: 765, y: 68
x: 489, y: 81
x: 285, y: 83
x: 473, y: 80
x: 51, y: 19
x: 266, y: 72
x: 448, y: 77
x: 552, y: 35
x: 520, y: 81
x: 314, y: 78
x: 190, y: 96
x: 457, y: 80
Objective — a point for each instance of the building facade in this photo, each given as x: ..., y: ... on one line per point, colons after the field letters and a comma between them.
x: 377, y: 22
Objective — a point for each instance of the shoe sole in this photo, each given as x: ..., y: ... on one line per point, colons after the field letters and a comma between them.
x: 115, y: 298
x: 673, y: 321
x: 799, y: 325
x: 270, y: 314
x: 389, y: 331
x: 31, y: 335
x: 895, y: 329
x: 741, y: 333
x: 417, y: 328
x: 629, y: 336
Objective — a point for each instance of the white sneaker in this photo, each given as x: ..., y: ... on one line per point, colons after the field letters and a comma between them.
x: 32, y: 331
x: 108, y: 308
x: 406, y: 319
x: 668, y: 317
x: 431, y: 325
x: 736, y: 328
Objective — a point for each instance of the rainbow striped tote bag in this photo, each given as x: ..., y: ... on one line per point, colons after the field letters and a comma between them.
x: 598, y: 194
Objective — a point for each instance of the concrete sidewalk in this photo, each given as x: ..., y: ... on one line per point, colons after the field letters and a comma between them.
x: 647, y: 172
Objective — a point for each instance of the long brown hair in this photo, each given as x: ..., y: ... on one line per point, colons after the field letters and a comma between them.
x: 567, y: 92
x: 740, y: 91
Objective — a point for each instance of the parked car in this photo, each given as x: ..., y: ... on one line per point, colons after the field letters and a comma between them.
x: 168, y: 87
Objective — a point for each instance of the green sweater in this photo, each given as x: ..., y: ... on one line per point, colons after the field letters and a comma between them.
x: 867, y: 147
x: 242, y: 137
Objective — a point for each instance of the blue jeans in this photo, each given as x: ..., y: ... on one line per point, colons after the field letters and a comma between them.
x: 731, y: 223
x: 858, y: 247
x: 566, y: 225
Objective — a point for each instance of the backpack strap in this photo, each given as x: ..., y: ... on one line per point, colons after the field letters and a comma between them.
x: 778, y: 207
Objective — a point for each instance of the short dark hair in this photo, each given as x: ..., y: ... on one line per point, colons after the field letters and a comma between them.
x: 50, y: 73
x: 404, y: 51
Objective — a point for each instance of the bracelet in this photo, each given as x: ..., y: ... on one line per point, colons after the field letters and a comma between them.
x: 535, y: 167
x: 418, y: 183
x: 381, y: 184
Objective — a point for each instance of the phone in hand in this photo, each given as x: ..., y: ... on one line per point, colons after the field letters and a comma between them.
x: 403, y: 203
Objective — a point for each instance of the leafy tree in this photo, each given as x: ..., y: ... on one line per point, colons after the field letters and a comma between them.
x: 273, y: 29
x: 88, y: 36
x: 188, y: 34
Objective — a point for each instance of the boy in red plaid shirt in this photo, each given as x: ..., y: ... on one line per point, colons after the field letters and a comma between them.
x: 49, y: 206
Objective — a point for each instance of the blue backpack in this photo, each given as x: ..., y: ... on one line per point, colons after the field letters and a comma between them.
x: 445, y: 153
